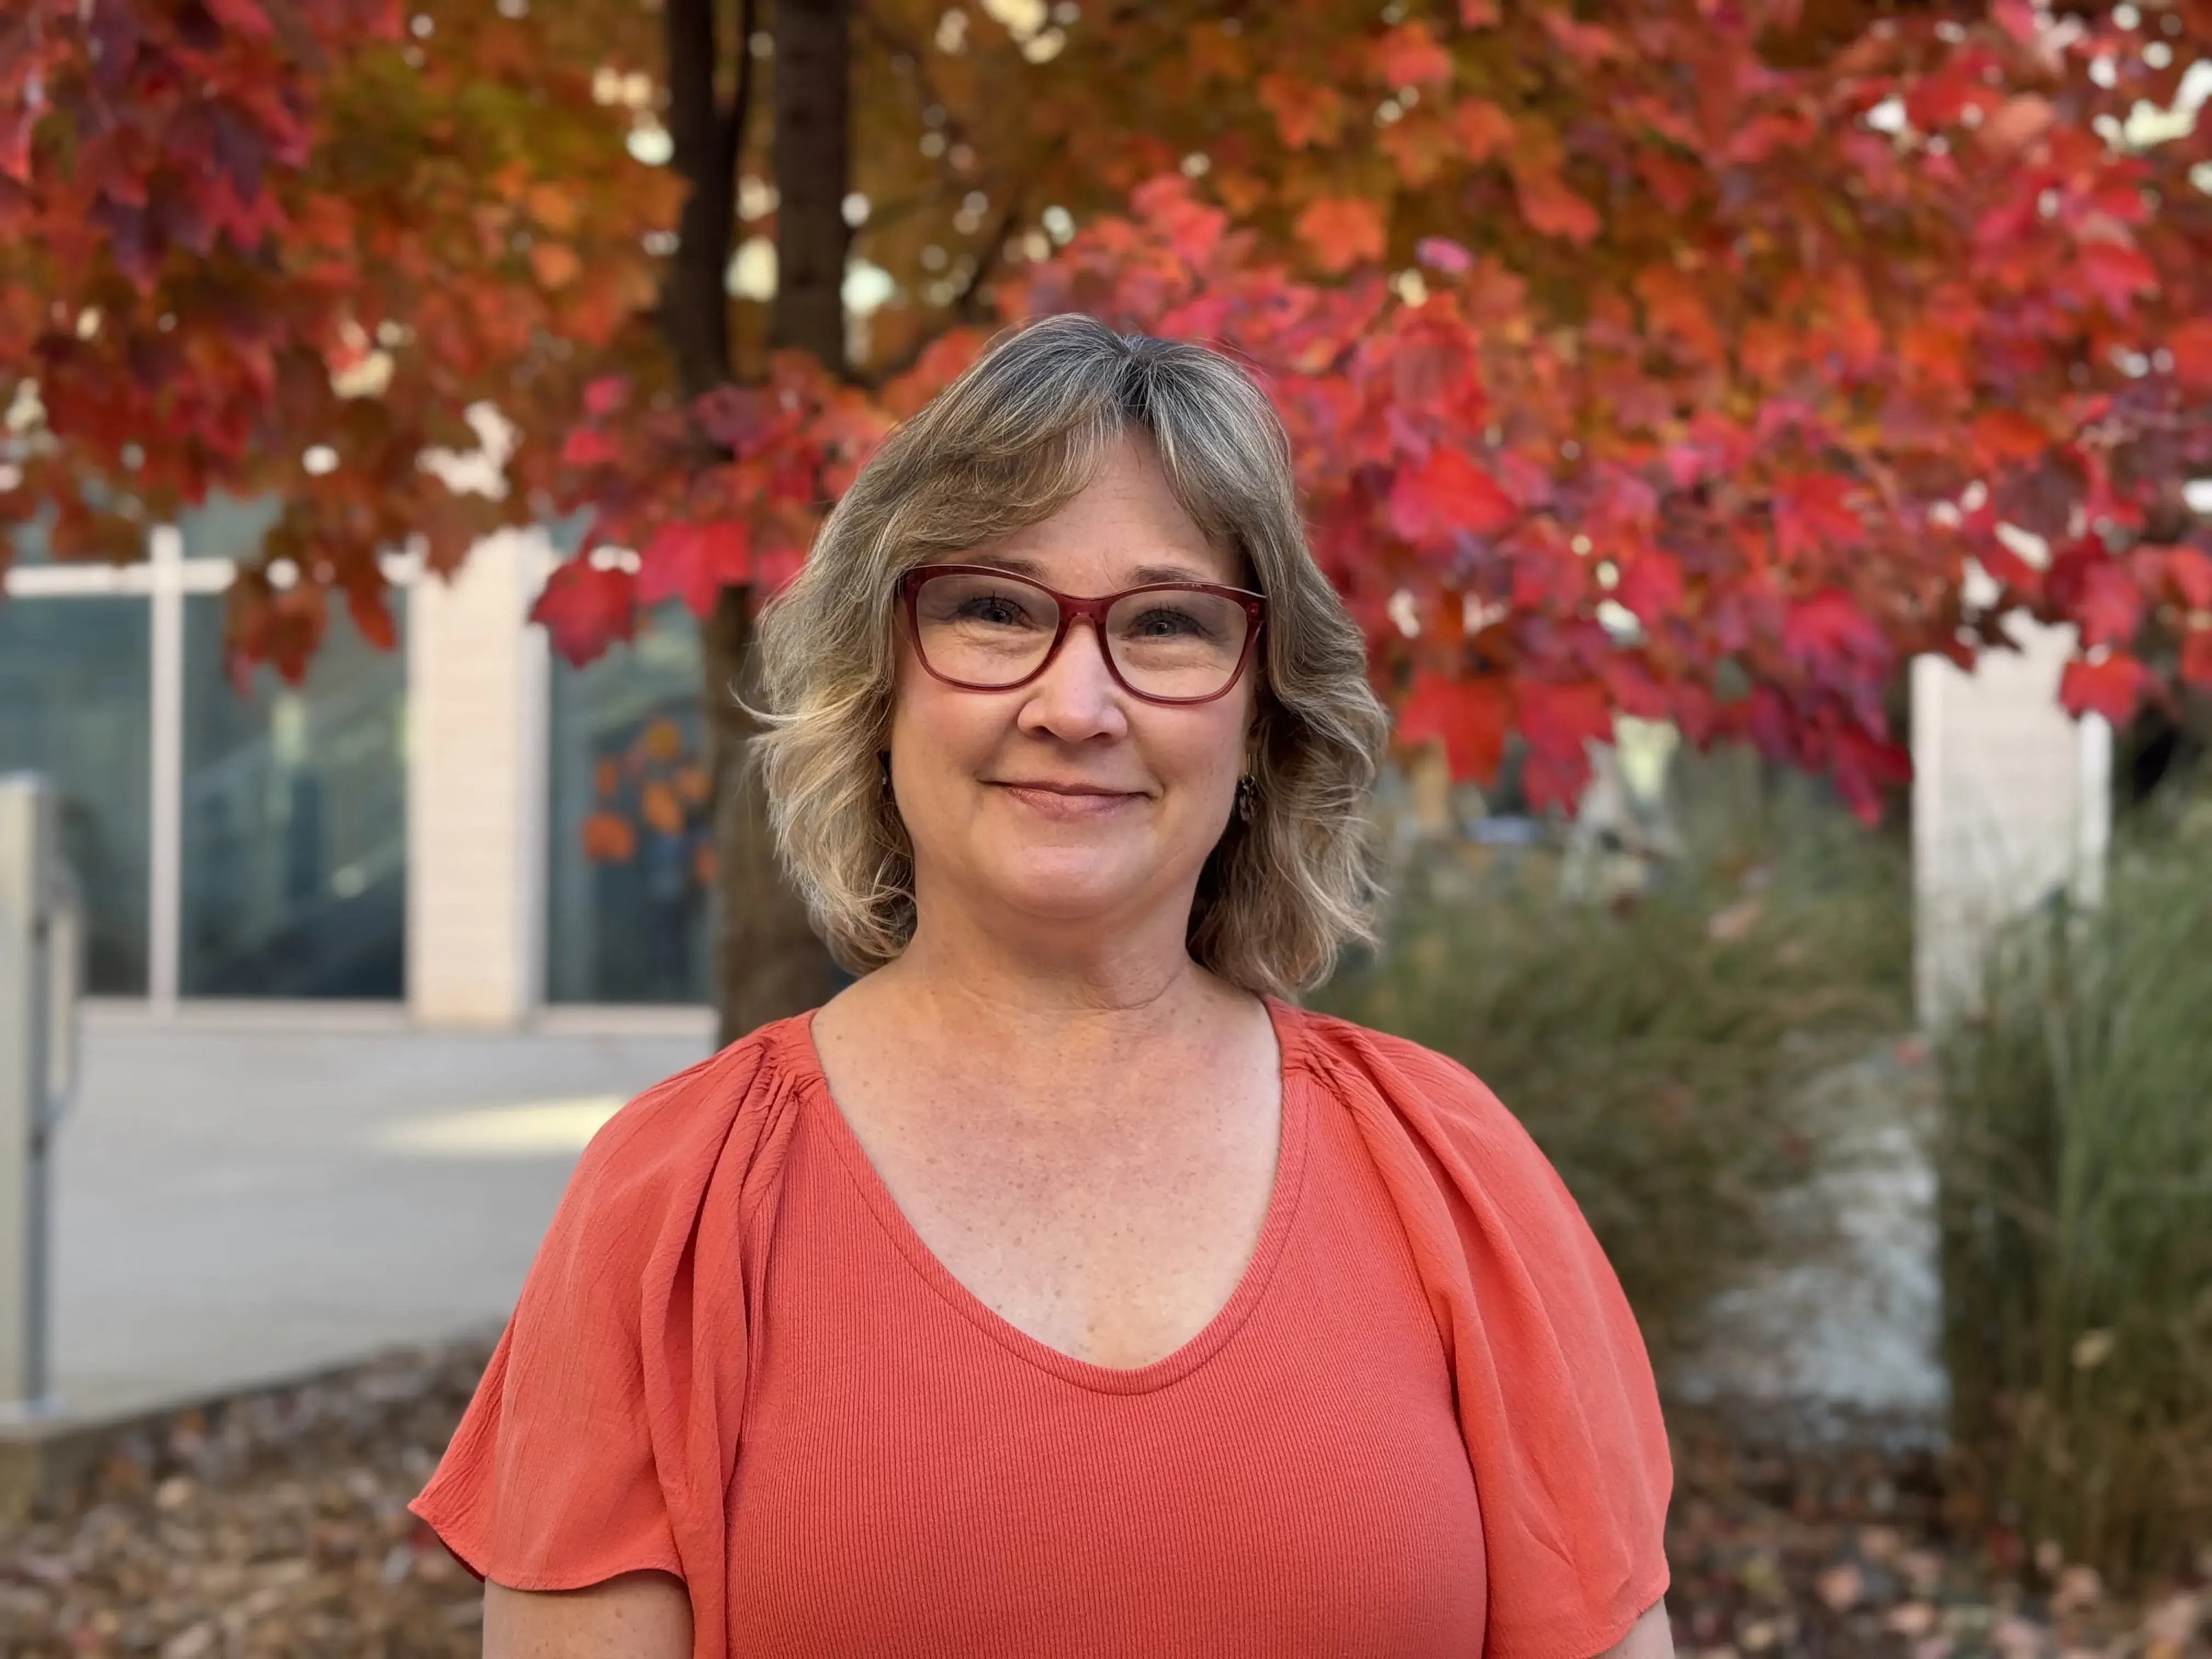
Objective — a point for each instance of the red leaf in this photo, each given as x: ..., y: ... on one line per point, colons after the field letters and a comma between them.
x: 1446, y: 493
x: 1830, y: 636
x: 2191, y: 343
x: 1341, y: 231
x: 371, y: 619
x: 1478, y: 13
x: 1467, y: 716
x: 1651, y: 587
x: 586, y: 608
x: 1559, y: 723
x: 1813, y: 512
x: 587, y: 445
x: 694, y: 559
x: 240, y: 17
x: 2111, y: 688
x: 2116, y: 275
x: 605, y: 395
x: 2189, y: 572
x: 2197, y: 657
x: 2107, y: 604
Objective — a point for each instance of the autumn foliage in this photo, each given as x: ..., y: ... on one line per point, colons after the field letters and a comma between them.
x: 1697, y: 358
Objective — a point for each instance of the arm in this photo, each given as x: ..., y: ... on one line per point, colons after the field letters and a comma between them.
x: 639, y: 1615
x: 1650, y: 1637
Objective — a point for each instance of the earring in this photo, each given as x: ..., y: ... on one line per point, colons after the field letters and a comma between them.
x: 883, y: 763
x: 1248, y: 793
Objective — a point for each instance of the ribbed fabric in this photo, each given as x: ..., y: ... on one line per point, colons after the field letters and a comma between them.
x: 733, y: 1361
x: 921, y: 1477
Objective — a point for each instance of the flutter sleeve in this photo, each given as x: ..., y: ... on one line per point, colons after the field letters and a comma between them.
x: 1556, y: 1397
x: 592, y: 1443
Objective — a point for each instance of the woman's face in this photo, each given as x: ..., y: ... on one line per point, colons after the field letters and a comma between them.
x: 1069, y: 799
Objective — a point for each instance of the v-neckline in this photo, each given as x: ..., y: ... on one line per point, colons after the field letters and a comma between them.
x: 1292, y: 1115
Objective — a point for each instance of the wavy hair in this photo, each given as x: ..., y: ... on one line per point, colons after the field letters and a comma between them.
x: 1021, y: 431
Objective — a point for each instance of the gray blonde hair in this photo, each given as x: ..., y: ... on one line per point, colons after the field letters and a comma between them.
x: 1006, y: 444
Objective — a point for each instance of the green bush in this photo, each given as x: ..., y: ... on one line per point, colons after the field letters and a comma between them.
x: 1659, y: 1050
x: 2075, y: 1162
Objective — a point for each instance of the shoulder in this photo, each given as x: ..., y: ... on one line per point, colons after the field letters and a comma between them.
x: 660, y: 1148
x: 1471, y: 1143
x: 1406, y: 1075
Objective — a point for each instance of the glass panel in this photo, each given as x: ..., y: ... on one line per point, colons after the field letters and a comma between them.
x: 294, y: 820
x: 223, y: 528
x: 75, y: 678
x: 627, y: 912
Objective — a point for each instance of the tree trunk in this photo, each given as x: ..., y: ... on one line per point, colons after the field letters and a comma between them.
x: 768, y: 962
x: 813, y: 47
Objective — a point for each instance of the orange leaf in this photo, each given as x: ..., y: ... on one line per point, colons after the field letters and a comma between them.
x: 662, y: 740
x: 552, y: 206
x: 1478, y: 13
x: 1481, y: 128
x: 555, y: 265
x: 661, y: 809
x: 1304, y: 113
x: 606, y: 778
x: 1340, y: 231
x: 693, y: 784
x: 609, y: 839
x: 1409, y: 56
x: 1553, y: 209
x: 1419, y: 149
x: 2006, y: 434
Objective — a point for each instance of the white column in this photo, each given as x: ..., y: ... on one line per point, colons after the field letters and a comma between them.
x: 2011, y: 800
x: 166, y: 847
x: 475, y: 789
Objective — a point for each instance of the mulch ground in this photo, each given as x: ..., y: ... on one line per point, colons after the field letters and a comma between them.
x: 278, y: 1527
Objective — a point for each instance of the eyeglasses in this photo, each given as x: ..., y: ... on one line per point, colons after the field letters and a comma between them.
x: 984, y: 629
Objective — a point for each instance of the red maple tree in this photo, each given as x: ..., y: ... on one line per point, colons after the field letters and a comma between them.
x: 1697, y: 358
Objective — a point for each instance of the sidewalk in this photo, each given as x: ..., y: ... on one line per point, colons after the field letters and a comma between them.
x: 241, y: 1198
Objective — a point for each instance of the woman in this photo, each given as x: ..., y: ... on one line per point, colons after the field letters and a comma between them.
x: 1057, y: 1288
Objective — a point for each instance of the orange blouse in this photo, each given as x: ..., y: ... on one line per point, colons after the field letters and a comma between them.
x: 1423, y: 1423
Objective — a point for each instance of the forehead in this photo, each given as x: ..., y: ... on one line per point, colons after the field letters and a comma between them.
x: 1123, y: 529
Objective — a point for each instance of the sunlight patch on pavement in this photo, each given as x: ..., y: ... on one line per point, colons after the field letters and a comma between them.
x: 536, y: 1128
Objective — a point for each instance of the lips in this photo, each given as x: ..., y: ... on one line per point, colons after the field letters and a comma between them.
x: 1068, y: 800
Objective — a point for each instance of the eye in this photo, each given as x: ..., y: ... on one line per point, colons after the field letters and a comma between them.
x: 1161, y: 622
x: 995, y: 608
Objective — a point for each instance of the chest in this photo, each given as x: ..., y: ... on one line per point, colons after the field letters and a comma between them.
x: 917, y: 1475
x: 1115, y: 1241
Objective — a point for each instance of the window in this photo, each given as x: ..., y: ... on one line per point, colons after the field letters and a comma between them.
x: 294, y: 820
x: 628, y: 903
x: 74, y: 702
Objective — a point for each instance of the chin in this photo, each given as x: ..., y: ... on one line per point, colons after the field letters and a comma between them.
x: 1066, y: 883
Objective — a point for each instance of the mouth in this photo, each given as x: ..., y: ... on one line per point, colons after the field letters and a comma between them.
x: 1067, y: 800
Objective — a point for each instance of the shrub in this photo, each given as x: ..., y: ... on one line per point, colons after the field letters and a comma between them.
x: 2074, y: 1159
x: 1658, y: 1050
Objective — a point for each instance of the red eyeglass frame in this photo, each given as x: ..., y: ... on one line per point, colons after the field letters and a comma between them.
x: 1073, y: 609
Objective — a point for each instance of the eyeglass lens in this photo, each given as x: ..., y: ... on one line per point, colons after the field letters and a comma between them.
x: 990, y: 631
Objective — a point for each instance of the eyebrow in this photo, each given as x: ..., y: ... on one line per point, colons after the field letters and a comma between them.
x: 1144, y: 576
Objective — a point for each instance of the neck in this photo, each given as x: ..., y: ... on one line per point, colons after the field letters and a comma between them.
x: 1073, y: 992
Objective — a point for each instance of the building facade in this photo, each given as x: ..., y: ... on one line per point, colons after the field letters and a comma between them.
x: 464, y: 825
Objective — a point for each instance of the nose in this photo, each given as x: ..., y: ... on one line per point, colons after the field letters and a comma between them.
x: 1076, y: 698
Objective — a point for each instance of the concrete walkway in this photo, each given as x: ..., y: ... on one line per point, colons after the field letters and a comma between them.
x: 241, y: 1197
